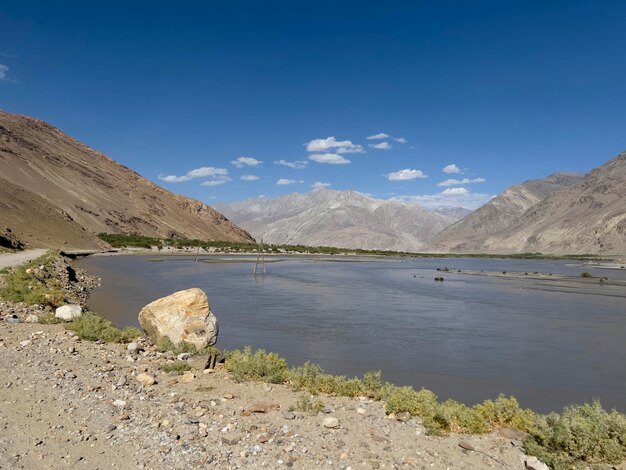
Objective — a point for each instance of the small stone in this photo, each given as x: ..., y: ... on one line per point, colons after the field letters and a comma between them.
x: 32, y: 318
x: 361, y: 411
x: 262, y: 407
x: 24, y: 343
x: 187, y: 377
x: 68, y: 312
x: 290, y: 415
x: 230, y: 440
x: 12, y: 319
x: 111, y: 428
x: 330, y: 422
x: 183, y: 356
x: 146, y: 379
x: 119, y: 403
x: 134, y: 347
x: 466, y: 446
x: 533, y: 463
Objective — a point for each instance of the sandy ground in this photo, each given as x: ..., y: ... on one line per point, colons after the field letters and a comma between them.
x: 69, y: 403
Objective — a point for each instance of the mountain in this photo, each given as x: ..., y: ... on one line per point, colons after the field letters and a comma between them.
x: 563, y: 214
x: 346, y: 219
x: 454, y: 213
x: 57, y: 192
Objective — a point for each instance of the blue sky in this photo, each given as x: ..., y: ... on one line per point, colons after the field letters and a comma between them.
x: 496, y: 91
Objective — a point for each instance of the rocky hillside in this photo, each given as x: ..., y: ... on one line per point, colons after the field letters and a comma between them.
x: 57, y: 192
x: 345, y: 219
x: 562, y: 214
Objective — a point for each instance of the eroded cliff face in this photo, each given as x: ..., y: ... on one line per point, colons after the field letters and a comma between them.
x: 562, y: 214
x: 68, y: 192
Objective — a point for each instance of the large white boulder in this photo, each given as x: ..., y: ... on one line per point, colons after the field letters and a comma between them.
x: 68, y: 312
x: 182, y: 316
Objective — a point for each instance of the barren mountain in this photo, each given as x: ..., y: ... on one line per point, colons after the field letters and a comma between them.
x: 563, y: 214
x: 64, y: 192
x: 345, y: 219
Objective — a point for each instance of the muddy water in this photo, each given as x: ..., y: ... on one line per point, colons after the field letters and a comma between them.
x: 550, y: 342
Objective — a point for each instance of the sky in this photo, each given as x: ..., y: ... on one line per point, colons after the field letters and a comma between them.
x: 445, y: 103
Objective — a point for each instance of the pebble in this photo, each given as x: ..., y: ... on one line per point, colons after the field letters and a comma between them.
x: 330, y: 422
x: 146, y: 379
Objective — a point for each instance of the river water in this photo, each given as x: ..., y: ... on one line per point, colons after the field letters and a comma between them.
x: 549, y: 342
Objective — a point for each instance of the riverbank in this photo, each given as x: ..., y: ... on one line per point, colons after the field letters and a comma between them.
x: 69, y: 402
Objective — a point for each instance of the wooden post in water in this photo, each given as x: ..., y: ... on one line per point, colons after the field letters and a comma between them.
x: 260, y: 259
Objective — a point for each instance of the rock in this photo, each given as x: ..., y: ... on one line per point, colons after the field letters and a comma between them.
x: 290, y: 415
x: 200, y: 362
x: 134, y: 347
x: 24, y: 343
x: 187, y: 377
x: 330, y: 422
x: 515, y: 434
x: 183, y: 356
x: 69, y: 312
x: 146, y: 379
x: 32, y: 318
x: 262, y: 407
x: 533, y: 463
x: 182, y: 316
x: 12, y: 319
x: 230, y: 440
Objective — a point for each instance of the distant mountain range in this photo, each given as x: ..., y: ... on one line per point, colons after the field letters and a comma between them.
x: 565, y: 213
x: 57, y: 192
x: 347, y: 219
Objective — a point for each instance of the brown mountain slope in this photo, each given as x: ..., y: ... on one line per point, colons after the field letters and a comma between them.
x: 93, y: 191
x: 469, y: 234
x: 585, y: 215
x: 589, y: 217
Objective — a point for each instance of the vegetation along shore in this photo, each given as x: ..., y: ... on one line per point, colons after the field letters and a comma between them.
x: 118, y: 398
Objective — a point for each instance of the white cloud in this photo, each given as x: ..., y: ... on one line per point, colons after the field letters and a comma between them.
x: 401, y: 140
x: 3, y: 72
x: 450, y: 197
x: 319, y: 184
x: 249, y: 177
x: 380, y: 135
x: 454, y: 182
x: 245, y: 161
x: 451, y: 168
x: 216, y: 181
x: 285, y: 182
x: 406, y: 175
x: 203, y: 172
x: 330, y: 143
x: 331, y: 158
x: 296, y: 165
x: 382, y: 146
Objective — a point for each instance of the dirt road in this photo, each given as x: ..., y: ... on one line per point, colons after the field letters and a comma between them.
x: 15, y: 259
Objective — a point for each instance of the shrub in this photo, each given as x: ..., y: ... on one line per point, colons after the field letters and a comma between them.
x: 165, y: 345
x: 92, y: 327
x: 257, y: 366
x: 49, y: 319
x: 307, y: 405
x: 585, y: 274
x: 581, y: 434
x: 505, y: 412
x: 177, y: 366
x: 407, y: 399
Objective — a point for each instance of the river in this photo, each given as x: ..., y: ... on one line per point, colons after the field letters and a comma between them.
x: 549, y: 342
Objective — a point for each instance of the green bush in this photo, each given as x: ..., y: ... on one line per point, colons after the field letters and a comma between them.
x: 49, y: 319
x: 179, y: 367
x: 256, y: 366
x: 582, y: 434
x: 305, y: 404
x: 92, y: 327
x: 25, y: 284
